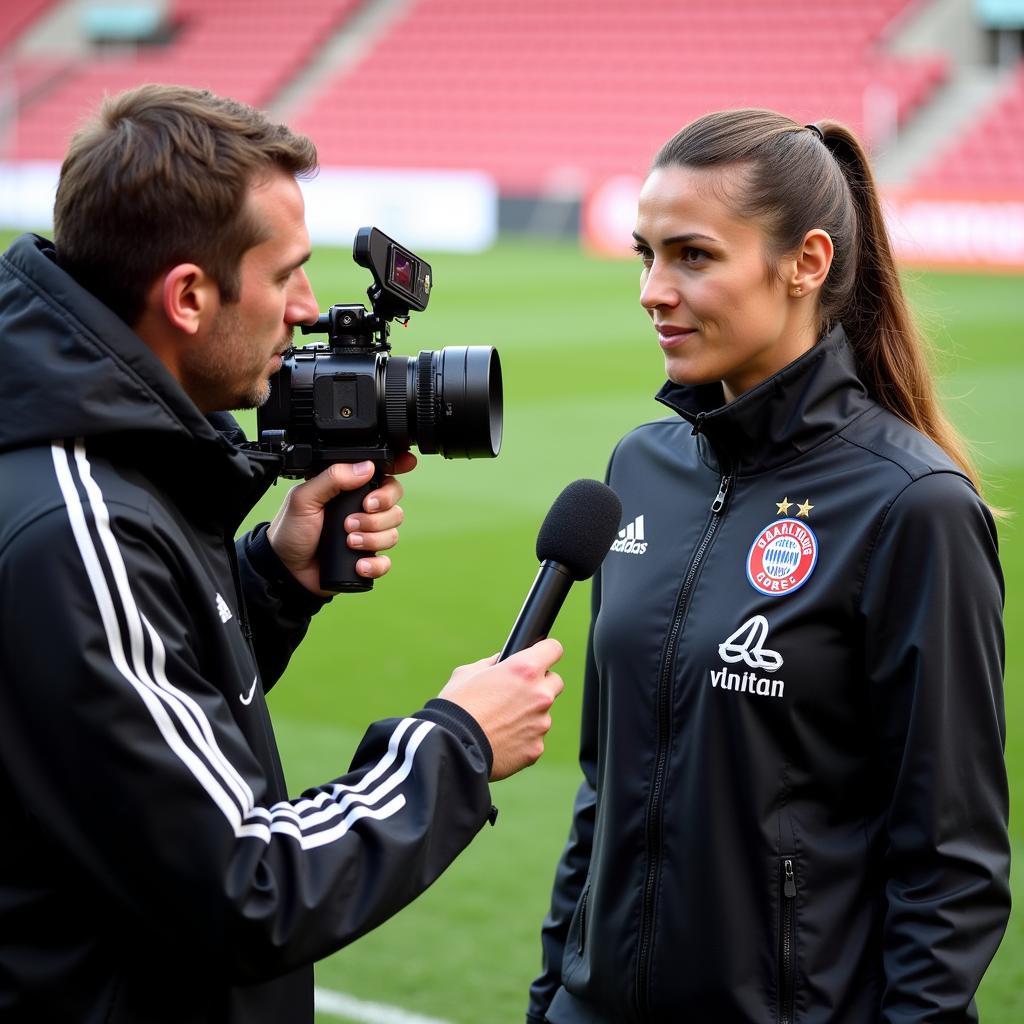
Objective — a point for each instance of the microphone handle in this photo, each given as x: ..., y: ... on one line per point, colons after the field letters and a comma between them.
x: 540, y: 608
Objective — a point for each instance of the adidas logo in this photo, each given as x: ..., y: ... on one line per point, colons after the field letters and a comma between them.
x: 222, y: 609
x: 631, y: 540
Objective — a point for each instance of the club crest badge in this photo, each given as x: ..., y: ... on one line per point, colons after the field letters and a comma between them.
x: 782, y: 557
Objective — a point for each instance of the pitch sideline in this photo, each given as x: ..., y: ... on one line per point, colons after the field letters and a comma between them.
x: 338, y: 1004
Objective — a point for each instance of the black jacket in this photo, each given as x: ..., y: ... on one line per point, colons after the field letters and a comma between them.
x: 152, y: 868
x: 794, y: 802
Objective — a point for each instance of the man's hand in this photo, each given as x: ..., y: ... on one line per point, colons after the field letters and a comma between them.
x: 511, y: 702
x: 295, y: 532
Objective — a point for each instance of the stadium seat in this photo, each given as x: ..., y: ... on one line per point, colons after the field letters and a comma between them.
x: 249, y: 49
x: 535, y: 91
x: 989, y: 155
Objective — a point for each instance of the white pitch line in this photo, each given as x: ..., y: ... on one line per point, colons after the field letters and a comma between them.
x: 337, y: 1004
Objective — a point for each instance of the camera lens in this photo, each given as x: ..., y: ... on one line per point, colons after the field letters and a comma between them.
x: 447, y: 401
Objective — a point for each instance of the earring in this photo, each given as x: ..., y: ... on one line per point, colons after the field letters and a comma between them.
x: 798, y: 291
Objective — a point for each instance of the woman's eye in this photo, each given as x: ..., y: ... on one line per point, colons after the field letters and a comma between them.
x: 691, y: 255
x: 644, y: 253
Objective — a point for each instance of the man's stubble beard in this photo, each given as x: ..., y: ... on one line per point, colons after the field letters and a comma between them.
x: 211, y: 379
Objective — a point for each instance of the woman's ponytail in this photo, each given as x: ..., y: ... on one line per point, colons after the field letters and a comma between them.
x: 889, y: 349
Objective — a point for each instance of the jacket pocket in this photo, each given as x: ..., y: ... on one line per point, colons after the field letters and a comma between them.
x: 787, y: 940
x: 573, y: 954
x: 581, y: 937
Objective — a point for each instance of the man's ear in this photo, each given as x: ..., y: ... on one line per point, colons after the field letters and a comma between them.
x: 812, y: 263
x: 189, y: 297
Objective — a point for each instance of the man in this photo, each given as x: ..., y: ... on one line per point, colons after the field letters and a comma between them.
x: 152, y: 867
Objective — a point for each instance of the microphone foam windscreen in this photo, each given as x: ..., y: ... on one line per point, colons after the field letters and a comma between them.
x: 580, y: 527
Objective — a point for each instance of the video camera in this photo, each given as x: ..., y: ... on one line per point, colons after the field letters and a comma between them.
x: 350, y: 400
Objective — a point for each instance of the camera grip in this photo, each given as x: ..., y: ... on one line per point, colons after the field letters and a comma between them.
x: 337, y: 559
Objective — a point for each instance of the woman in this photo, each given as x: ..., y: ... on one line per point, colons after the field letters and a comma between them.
x: 794, y: 801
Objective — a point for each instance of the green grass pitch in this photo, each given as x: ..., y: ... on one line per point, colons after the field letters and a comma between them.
x: 580, y: 366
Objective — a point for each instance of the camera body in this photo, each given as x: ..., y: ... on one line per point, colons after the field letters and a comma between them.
x: 351, y: 400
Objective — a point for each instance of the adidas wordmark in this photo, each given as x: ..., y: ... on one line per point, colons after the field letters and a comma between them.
x: 631, y: 540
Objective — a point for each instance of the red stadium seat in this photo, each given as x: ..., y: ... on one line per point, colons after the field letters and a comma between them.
x: 16, y: 17
x: 249, y: 49
x: 990, y: 154
x: 533, y: 90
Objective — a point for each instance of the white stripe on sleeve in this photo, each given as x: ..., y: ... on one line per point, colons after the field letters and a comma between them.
x: 312, y: 821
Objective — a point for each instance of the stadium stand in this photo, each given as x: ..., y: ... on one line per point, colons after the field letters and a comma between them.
x: 16, y: 17
x: 249, y: 49
x: 990, y: 155
x: 548, y: 95
x: 543, y: 96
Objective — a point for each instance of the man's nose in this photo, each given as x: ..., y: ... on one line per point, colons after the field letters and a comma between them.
x: 302, y: 304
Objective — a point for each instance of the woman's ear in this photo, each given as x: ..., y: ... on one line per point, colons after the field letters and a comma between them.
x: 812, y: 263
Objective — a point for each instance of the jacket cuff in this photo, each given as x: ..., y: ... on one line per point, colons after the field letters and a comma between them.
x: 283, y: 585
x: 458, y: 720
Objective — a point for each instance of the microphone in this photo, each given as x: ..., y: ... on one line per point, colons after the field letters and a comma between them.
x: 573, y: 540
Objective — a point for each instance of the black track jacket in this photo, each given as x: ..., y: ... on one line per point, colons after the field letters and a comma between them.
x: 794, y: 802
x: 152, y: 867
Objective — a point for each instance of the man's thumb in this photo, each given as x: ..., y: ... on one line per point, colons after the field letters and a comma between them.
x: 342, y: 476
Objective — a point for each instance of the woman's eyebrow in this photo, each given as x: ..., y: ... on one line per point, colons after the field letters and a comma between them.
x: 692, y: 236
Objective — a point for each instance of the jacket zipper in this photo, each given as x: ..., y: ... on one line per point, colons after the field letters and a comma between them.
x: 787, y: 972
x: 243, y: 614
x: 654, y: 803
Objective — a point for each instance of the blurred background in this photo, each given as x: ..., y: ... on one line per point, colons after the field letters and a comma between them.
x: 506, y: 142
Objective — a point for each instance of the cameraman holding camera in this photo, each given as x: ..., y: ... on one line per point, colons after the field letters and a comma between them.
x: 153, y: 868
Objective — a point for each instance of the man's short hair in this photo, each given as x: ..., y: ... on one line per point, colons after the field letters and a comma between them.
x: 160, y: 177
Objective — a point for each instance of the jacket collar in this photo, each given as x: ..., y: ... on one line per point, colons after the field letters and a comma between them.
x: 75, y: 369
x: 791, y: 412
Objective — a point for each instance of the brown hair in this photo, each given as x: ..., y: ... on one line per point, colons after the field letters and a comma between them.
x: 797, y: 178
x: 159, y: 177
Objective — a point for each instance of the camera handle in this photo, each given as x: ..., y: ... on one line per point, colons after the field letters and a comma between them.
x: 337, y: 559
